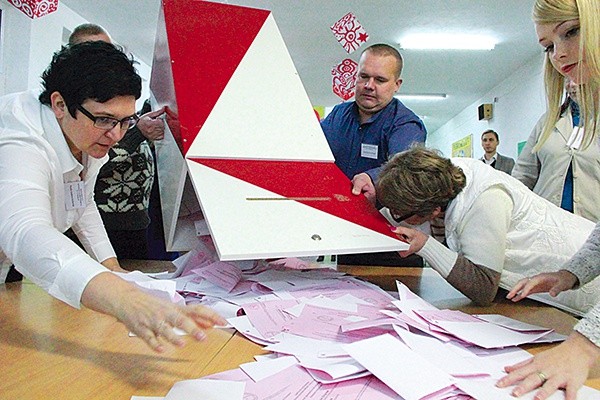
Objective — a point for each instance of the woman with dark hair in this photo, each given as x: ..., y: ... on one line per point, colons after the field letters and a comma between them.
x: 51, y: 148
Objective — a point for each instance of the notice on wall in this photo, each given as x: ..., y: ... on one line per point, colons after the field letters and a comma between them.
x: 463, y: 147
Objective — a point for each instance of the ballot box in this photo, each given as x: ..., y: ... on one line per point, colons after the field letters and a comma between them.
x: 244, y: 158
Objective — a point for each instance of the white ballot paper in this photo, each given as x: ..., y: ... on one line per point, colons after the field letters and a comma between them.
x: 395, y: 364
x: 206, y: 389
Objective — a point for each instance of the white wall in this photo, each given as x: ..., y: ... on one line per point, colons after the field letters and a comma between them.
x: 28, y: 45
x: 518, y: 102
x: 14, y: 54
x: 46, y: 38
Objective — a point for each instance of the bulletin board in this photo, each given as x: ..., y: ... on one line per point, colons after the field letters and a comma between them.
x: 463, y: 147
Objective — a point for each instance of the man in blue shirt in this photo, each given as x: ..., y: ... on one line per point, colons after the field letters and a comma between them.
x: 365, y: 133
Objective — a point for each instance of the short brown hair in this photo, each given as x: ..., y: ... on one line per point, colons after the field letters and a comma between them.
x: 417, y: 181
x: 84, y: 30
x: 382, y: 49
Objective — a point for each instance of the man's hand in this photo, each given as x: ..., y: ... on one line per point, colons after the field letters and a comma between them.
x: 362, y: 183
x: 151, y: 125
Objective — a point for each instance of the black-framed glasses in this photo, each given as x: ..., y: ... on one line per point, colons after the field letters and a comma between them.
x: 401, y: 218
x: 109, y: 123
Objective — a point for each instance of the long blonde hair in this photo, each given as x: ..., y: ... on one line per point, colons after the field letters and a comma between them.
x: 587, y: 11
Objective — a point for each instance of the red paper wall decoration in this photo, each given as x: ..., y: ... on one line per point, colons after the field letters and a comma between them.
x: 35, y: 8
x: 344, y: 79
x: 349, y: 32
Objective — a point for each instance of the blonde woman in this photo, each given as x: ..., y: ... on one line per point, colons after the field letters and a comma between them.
x: 562, y: 170
x: 569, y: 32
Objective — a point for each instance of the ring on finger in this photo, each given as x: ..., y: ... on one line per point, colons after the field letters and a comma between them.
x: 542, y: 377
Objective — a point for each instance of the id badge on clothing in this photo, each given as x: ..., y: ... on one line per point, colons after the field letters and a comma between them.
x: 74, y: 195
x: 369, y: 151
x: 576, y: 138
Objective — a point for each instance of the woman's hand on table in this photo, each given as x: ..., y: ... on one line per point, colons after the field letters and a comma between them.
x: 551, y: 282
x: 148, y: 317
x: 565, y: 366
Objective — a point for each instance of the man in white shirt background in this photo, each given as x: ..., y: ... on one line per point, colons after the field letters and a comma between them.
x: 489, y: 142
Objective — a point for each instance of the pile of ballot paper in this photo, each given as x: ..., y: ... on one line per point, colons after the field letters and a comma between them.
x: 333, y: 336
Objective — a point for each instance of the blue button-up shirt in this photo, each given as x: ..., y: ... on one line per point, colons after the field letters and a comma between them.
x: 391, y: 130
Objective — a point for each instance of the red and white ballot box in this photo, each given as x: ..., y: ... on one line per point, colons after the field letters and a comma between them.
x: 35, y: 8
x: 244, y: 159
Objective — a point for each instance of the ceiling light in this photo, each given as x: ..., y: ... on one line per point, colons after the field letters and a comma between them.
x: 445, y: 41
x: 421, y: 96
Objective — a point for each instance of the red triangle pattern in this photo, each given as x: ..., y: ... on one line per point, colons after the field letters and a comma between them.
x: 306, y: 179
x: 206, y: 43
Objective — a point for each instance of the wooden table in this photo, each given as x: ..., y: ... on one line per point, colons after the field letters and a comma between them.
x: 50, y: 350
